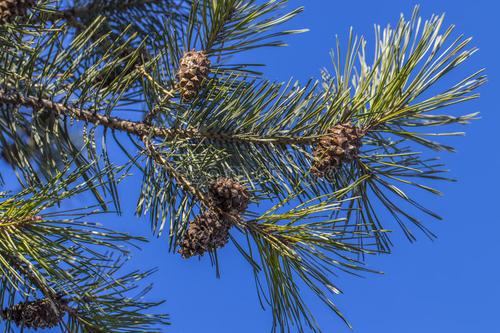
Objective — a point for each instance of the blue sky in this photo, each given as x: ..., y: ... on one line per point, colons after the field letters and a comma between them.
x: 448, y: 285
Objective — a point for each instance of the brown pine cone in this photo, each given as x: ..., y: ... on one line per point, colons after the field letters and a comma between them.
x: 194, y: 68
x: 10, y: 9
x: 207, y: 232
x: 36, y: 314
x: 229, y: 195
x: 340, y: 145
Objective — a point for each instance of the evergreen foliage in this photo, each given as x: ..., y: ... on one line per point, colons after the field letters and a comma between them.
x: 212, y: 138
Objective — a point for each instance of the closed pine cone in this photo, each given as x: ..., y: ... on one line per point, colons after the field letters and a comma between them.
x: 340, y: 145
x: 229, y: 195
x: 10, y: 9
x: 207, y: 232
x: 36, y: 314
x: 194, y: 68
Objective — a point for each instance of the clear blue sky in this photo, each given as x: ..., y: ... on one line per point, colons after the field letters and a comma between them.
x: 449, y: 285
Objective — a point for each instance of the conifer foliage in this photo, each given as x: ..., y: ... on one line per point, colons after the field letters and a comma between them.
x: 94, y: 90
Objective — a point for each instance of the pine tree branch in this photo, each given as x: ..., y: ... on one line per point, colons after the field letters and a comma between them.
x: 245, y: 128
x: 114, y: 123
x: 53, y: 256
x: 141, y: 129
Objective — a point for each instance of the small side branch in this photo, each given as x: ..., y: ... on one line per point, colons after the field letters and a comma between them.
x: 167, y: 93
x: 183, y: 181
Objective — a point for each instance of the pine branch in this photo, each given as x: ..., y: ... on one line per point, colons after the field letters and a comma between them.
x: 139, y: 128
x: 303, y: 247
x: 104, y: 304
x: 66, y: 265
x: 338, y: 147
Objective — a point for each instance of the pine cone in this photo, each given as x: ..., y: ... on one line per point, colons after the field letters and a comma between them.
x: 36, y: 314
x: 194, y: 68
x: 10, y: 9
x: 229, y: 195
x: 206, y: 232
x: 340, y: 145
